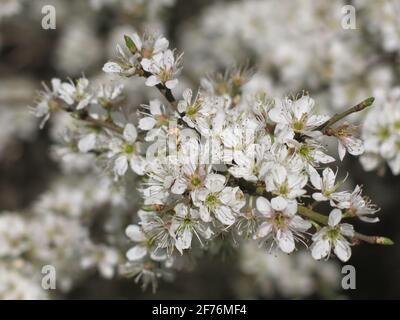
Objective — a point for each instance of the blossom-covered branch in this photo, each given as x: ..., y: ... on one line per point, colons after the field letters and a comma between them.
x: 215, y: 168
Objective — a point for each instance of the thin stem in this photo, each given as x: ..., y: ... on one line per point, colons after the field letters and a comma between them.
x: 320, y: 218
x: 102, y: 124
x: 313, y: 215
x: 339, y: 116
x: 373, y: 239
x: 167, y: 93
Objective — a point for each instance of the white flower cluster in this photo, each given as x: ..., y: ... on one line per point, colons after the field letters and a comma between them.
x: 381, y: 133
x: 345, y: 64
x: 215, y: 168
x: 55, y: 231
x: 149, y: 56
x: 303, y: 275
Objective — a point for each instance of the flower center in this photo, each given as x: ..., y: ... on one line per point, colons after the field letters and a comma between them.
x: 333, y: 234
x: 305, y: 151
x: 161, y: 120
x: 196, y: 181
x: 128, y: 148
x: 164, y: 74
x: 279, y: 220
x: 298, y: 125
x: 212, y: 200
x: 193, y: 109
x: 283, y: 188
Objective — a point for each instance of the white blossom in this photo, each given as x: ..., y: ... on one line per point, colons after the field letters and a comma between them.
x: 281, y: 222
x: 333, y: 237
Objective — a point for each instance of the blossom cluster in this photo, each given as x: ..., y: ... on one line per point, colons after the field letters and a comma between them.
x: 215, y: 168
x: 54, y: 232
x: 346, y: 64
x: 381, y: 133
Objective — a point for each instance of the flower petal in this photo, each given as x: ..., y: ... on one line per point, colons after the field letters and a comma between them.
x: 136, y: 253
x: 320, y: 249
x: 342, y: 249
x: 285, y: 240
x: 130, y: 133
x: 334, y: 217
x: 135, y: 233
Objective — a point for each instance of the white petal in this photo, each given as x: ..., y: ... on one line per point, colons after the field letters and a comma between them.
x: 279, y: 203
x: 320, y: 249
x: 334, y: 217
x: 347, y: 230
x: 328, y: 177
x: 277, y: 115
x: 161, y: 44
x: 302, y: 106
x: 130, y: 133
x: 181, y: 210
x: 152, y: 81
x: 315, y: 178
x: 179, y: 186
x: 318, y: 196
x: 147, y: 123
x: 137, y: 164
x: 168, y: 58
x: 135, y: 233
x: 146, y: 64
x: 112, y: 67
x: 224, y: 215
x: 291, y: 208
x: 184, y: 241
x: 187, y: 95
x: 354, y: 146
x: 322, y: 157
x: 300, y: 224
x: 136, y: 253
x: 87, y: 143
x: 264, y: 206
x: 121, y: 165
x: 215, y: 182
x: 83, y: 103
x: 204, y: 214
x: 155, y: 107
x: 371, y: 161
x: 264, y: 230
x: 137, y: 41
x: 285, y: 240
x: 279, y: 173
x: 394, y: 165
x: 341, y: 150
x: 317, y: 120
x: 170, y: 84
x: 342, y: 249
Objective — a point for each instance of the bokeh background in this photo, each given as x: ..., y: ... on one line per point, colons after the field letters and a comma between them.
x: 293, y: 46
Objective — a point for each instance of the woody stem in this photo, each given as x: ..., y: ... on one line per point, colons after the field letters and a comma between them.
x: 339, y: 116
x: 322, y: 219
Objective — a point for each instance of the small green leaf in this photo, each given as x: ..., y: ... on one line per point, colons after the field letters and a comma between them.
x: 130, y: 44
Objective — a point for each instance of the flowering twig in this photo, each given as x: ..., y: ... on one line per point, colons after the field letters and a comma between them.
x: 320, y: 218
x: 339, y: 116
